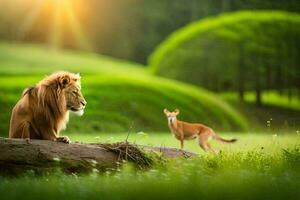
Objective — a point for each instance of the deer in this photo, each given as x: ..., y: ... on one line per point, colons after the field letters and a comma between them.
x: 189, y: 131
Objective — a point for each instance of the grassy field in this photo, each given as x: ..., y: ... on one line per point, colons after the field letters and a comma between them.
x: 121, y: 95
x: 270, y: 142
x: 258, y: 166
x: 118, y: 93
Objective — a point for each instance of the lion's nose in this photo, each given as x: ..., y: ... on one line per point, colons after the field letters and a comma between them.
x: 83, y: 102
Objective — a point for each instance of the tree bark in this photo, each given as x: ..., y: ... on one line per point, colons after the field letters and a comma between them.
x: 241, y: 73
x: 241, y: 95
x: 19, y: 155
x: 258, y: 96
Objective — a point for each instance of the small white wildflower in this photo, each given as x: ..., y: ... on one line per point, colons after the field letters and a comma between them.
x: 110, y: 139
x: 93, y: 162
x: 142, y: 134
x: 56, y: 159
x: 75, y: 175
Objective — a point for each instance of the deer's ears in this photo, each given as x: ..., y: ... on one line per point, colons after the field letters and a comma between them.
x: 166, y: 111
x: 176, y: 111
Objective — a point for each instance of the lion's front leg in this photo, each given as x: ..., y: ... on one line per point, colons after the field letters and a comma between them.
x: 53, y: 137
x: 64, y: 139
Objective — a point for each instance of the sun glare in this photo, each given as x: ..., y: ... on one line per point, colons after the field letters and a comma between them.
x: 63, y: 15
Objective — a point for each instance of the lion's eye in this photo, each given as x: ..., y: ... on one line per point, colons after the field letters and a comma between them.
x: 74, y: 92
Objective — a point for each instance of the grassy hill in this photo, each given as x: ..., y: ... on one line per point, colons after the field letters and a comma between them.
x: 119, y: 94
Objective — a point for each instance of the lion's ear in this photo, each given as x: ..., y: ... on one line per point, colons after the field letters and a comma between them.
x: 64, y: 81
x: 77, y: 77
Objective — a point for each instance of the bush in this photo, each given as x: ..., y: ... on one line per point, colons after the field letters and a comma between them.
x: 247, y: 50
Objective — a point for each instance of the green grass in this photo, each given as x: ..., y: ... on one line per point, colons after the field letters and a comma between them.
x: 244, y: 170
x: 118, y: 93
x: 29, y: 59
x: 272, y: 142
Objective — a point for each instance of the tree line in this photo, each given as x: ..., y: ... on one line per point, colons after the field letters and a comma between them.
x: 129, y: 29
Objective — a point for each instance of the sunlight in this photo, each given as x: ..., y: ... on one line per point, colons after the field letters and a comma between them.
x: 30, y: 18
x: 64, y: 14
x: 75, y: 26
x: 55, y: 35
x: 58, y: 16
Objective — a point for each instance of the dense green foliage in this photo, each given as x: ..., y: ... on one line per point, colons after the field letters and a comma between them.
x: 239, y: 51
x: 165, y: 16
x: 261, y: 167
x: 119, y: 94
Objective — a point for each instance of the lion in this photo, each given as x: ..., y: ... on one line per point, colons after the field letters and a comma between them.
x: 43, y: 110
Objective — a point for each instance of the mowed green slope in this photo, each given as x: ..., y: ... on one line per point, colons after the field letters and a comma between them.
x: 119, y: 94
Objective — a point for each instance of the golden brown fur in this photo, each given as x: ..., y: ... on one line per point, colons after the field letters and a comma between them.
x: 186, y: 131
x: 43, y: 110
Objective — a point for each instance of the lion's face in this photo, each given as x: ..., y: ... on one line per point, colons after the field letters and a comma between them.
x: 74, y: 98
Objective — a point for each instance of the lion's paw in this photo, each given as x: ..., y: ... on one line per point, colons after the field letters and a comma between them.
x: 64, y: 139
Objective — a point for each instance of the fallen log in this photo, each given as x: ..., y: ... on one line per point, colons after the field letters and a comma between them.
x: 19, y: 155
